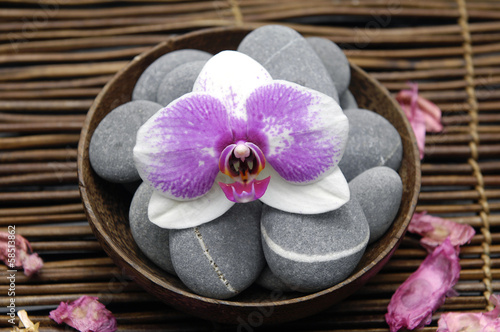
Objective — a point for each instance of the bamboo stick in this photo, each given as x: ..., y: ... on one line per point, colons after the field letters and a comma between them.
x: 50, y: 94
x: 42, y: 219
x: 67, y: 154
x: 456, y: 195
x: 76, y: 274
x: 103, y: 261
x: 72, y: 44
x: 38, y: 127
x: 53, y: 177
x: 20, y: 168
x: 51, y: 71
x: 45, y: 105
x: 40, y: 210
x: 66, y: 246
x: 484, y: 166
x: 22, y: 118
x: 458, y: 180
x: 33, y: 141
x: 56, y: 299
x: 71, y: 288
x: 72, y: 57
x: 54, y: 231
x: 98, y: 81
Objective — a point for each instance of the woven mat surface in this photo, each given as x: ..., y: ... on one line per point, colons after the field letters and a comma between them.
x: 56, y: 55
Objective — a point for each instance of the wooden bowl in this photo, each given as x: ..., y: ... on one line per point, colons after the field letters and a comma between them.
x: 106, y: 204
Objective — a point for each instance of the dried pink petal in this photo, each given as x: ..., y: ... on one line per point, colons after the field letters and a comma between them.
x: 481, y: 322
x: 434, y: 230
x: 425, y: 290
x: 16, y: 252
x: 85, y: 314
x: 422, y: 114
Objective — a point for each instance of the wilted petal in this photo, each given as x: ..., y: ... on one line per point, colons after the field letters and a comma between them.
x: 434, y: 230
x: 431, y: 112
x: 305, y: 131
x: 21, y: 248
x: 25, y: 323
x: 231, y: 76
x: 177, y: 150
x: 174, y: 214
x: 325, y: 195
x: 463, y: 321
x: 85, y: 314
x: 424, y: 291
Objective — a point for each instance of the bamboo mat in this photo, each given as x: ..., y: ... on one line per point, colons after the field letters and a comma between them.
x: 56, y: 55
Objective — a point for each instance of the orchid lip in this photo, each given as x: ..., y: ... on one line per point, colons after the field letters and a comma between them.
x: 243, y: 162
x: 244, y: 193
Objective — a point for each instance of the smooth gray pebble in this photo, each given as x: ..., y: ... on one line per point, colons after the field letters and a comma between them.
x: 112, y: 143
x: 178, y: 82
x: 378, y: 191
x: 147, y: 84
x: 373, y: 141
x: 286, y: 55
x: 150, y: 238
x: 314, y: 252
x: 223, y: 257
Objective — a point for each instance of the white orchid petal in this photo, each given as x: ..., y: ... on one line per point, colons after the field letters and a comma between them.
x: 231, y: 76
x: 175, y: 214
x: 325, y: 195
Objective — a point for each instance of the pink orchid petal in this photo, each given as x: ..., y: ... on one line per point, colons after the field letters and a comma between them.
x: 24, y: 257
x: 482, y: 322
x: 177, y: 150
x: 305, y: 131
x: 434, y: 230
x: 425, y: 290
x: 85, y: 314
x: 422, y: 114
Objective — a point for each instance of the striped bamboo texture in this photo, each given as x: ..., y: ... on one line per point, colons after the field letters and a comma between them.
x: 56, y: 55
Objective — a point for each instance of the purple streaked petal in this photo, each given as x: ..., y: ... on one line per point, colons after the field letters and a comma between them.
x: 231, y: 76
x: 177, y: 150
x: 244, y: 193
x: 175, y: 214
x: 306, y: 130
x: 325, y: 195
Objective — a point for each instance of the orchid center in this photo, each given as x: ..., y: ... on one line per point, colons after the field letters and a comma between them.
x: 243, y: 162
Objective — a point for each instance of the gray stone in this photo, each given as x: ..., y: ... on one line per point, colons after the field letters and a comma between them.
x: 223, y: 257
x: 178, y: 82
x: 147, y: 84
x: 151, y: 239
x: 271, y: 282
x: 334, y: 60
x: 373, y: 141
x: 287, y: 55
x: 111, y: 145
x: 378, y: 191
x: 347, y: 101
x: 313, y: 252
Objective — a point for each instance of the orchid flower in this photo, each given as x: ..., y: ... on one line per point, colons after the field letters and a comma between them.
x: 240, y: 136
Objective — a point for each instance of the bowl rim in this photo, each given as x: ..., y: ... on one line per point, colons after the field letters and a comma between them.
x: 108, y: 245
